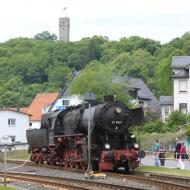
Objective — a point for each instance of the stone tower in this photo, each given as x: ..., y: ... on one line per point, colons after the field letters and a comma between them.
x: 64, y: 29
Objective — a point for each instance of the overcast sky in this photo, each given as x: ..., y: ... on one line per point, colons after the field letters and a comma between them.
x: 161, y: 20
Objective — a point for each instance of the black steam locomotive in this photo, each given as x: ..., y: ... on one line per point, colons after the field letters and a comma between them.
x: 62, y: 138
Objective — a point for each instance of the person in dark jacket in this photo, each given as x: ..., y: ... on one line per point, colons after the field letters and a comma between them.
x: 177, y: 149
x: 162, y: 154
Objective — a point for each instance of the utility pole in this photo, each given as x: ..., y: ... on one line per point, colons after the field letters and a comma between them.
x: 89, y: 174
x: 89, y: 169
x: 5, y: 140
x: 89, y: 97
x: 5, y: 165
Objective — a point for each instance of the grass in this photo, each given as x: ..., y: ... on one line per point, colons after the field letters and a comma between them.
x: 7, y: 188
x: 164, y: 170
x: 17, y: 154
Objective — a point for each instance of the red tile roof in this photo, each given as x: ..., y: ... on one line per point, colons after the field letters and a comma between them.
x: 21, y: 110
x: 24, y: 110
x: 41, y: 100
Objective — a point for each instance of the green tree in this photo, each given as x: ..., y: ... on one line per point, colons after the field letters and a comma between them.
x: 27, y: 66
x: 175, y: 120
x: 187, y: 132
x: 59, y: 75
x: 108, y: 55
x: 94, y: 48
x: 152, y: 127
x: 177, y: 43
x: 45, y: 35
x: 11, y: 92
x: 139, y: 64
x: 76, y: 60
x: 163, y: 81
x: 44, y: 64
x: 163, y: 74
x: 98, y: 78
x: 135, y: 42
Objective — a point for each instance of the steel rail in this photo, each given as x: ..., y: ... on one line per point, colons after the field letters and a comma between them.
x: 166, y: 177
x: 66, y: 182
x: 164, y: 181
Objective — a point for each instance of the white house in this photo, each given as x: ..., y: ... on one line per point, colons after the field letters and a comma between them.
x: 181, y: 83
x: 181, y: 88
x: 14, y: 124
x: 166, y: 103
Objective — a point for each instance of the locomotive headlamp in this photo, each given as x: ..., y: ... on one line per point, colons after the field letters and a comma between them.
x: 118, y: 110
x: 136, y: 145
x: 107, y: 146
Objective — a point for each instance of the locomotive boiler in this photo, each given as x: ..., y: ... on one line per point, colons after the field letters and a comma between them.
x: 62, y: 138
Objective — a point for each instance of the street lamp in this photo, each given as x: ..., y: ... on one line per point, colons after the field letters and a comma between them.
x: 5, y: 140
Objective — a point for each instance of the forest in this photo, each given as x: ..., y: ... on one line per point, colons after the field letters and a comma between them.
x: 44, y: 64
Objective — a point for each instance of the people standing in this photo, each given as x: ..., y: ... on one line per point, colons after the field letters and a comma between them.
x: 177, y: 153
x: 156, y: 149
x: 182, y: 155
x: 177, y: 149
x: 162, y: 155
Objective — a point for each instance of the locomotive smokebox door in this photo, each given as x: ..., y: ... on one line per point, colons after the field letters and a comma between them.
x: 109, y: 98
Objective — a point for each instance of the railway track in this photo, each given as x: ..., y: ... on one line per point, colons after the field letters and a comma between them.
x: 163, y: 181
x: 168, y: 182
x: 177, y: 179
x: 65, y: 183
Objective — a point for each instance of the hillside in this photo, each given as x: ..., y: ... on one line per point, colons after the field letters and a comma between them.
x: 29, y: 66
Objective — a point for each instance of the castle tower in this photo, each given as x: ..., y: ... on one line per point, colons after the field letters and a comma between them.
x: 64, y: 29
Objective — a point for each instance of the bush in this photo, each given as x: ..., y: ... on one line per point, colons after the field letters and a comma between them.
x: 187, y: 132
x: 151, y: 115
x: 168, y: 139
x: 152, y: 127
x: 175, y: 120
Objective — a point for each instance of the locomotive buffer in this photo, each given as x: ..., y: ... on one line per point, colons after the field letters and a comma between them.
x: 89, y: 174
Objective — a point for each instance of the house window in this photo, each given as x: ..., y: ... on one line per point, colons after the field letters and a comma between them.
x: 183, y: 108
x: 167, y: 111
x: 30, y: 124
x: 13, y: 138
x: 11, y: 122
x: 182, y: 85
x: 65, y: 102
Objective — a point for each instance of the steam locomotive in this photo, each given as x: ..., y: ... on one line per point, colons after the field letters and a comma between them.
x: 62, y: 138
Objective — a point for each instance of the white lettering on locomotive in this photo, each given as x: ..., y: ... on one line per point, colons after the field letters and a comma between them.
x: 116, y: 122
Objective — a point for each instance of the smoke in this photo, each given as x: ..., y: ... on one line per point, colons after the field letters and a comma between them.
x: 75, y: 100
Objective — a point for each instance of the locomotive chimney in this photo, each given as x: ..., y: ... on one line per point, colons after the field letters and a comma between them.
x: 109, y: 98
x: 90, y: 98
